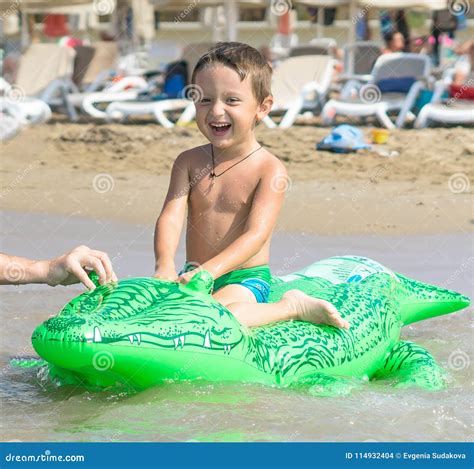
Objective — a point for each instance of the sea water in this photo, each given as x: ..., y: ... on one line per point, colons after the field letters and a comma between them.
x: 33, y: 409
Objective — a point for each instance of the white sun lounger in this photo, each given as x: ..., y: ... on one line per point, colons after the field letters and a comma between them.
x: 123, y: 109
x: 300, y: 83
x: 371, y: 101
x: 359, y: 60
x: 9, y: 127
x: 451, y: 111
x: 44, y: 78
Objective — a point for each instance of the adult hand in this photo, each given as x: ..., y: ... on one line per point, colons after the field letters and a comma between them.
x: 73, y: 267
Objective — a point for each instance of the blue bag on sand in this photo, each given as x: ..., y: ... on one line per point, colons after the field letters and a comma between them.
x: 343, y: 139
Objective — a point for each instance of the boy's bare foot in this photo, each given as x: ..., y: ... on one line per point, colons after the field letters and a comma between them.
x: 315, y: 310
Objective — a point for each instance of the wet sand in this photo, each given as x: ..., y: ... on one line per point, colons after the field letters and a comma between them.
x: 121, y: 172
x: 33, y: 410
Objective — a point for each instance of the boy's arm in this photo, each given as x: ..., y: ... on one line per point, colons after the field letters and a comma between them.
x: 261, y: 221
x: 170, y: 222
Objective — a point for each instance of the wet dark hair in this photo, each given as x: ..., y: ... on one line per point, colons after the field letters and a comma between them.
x: 388, y: 37
x: 243, y: 59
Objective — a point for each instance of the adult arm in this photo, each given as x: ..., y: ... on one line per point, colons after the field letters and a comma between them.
x: 67, y: 269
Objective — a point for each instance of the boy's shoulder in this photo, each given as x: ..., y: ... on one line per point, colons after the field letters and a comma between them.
x: 271, y: 163
x: 195, y: 151
x: 192, y: 155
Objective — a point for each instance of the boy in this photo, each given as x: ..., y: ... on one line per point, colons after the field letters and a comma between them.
x: 231, y: 189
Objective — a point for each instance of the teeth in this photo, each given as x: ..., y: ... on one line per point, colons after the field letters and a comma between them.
x: 220, y: 125
x: 97, y: 335
x: 178, y: 341
x: 88, y: 336
x: 227, y: 348
x: 207, y: 340
x: 133, y: 337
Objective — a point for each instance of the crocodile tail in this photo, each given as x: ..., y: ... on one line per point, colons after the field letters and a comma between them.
x: 421, y: 301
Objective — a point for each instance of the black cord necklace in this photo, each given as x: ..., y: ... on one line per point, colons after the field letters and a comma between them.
x: 213, y: 174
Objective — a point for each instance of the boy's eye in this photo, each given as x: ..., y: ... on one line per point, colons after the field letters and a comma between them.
x: 233, y: 100
x: 204, y: 100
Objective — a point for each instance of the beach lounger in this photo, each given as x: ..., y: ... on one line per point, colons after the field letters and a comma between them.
x: 359, y: 60
x: 124, y: 109
x: 395, y: 84
x: 26, y: 111
x: 93, y: 80
x: 454, y: 110
x: 313, y: 49
x: 299, y: 83
x: 131, y: 106
x: 324, y: 45
x: 127, y: 89
x: 9, y: 127
x: 43, y: 81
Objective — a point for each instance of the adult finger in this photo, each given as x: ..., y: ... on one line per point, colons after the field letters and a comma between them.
x: 96, y: 264
x: 106, y: 263
x: 76, y: 269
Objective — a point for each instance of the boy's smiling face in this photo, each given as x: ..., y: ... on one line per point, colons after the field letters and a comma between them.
x: 227, y: 108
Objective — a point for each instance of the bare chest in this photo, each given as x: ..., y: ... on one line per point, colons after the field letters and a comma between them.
x: 231, y: 192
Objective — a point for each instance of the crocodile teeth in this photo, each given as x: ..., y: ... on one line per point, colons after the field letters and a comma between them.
x: 227, y: 348
x: 133, y: 337
x: 207, y: 340
x: 97, y: 335
x: 181, y: 340
x: 88, y: 336
x: 176, y: 342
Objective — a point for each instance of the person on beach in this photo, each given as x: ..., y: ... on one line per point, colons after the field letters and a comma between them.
x: 232, y: 190
x: 63, y: 270
x: 394, y: 42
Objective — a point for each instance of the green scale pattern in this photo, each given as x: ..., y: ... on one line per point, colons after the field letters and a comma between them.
x: 140, y: 332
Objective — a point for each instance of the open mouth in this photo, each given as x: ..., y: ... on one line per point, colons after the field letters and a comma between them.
x: 220, y: 128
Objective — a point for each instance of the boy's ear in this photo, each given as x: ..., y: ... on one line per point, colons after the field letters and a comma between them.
x: 264, y: 108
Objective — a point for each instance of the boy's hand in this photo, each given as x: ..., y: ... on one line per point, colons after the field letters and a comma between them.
x: 187, y: 276
x: 166, y: 273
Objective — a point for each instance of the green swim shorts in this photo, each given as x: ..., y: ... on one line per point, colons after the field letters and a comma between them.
x: 256, y: 279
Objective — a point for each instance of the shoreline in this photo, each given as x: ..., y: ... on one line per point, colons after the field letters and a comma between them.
x: 117, y: 172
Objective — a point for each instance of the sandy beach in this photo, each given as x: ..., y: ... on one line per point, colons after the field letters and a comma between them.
x: 419, y: 182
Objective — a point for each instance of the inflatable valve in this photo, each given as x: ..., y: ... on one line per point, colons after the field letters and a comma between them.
x: 202, y: 282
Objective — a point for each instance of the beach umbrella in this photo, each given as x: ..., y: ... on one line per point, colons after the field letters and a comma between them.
x: 367, y: 5
x: 229, y: 10
x: 39, y: 6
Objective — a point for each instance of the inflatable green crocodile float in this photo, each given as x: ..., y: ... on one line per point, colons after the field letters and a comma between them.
x: 143, y: 331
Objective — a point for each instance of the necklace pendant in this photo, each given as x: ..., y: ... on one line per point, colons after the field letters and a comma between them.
x: 212, y: 175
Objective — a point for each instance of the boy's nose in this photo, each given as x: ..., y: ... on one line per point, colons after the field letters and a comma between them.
x: 217, y: 109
